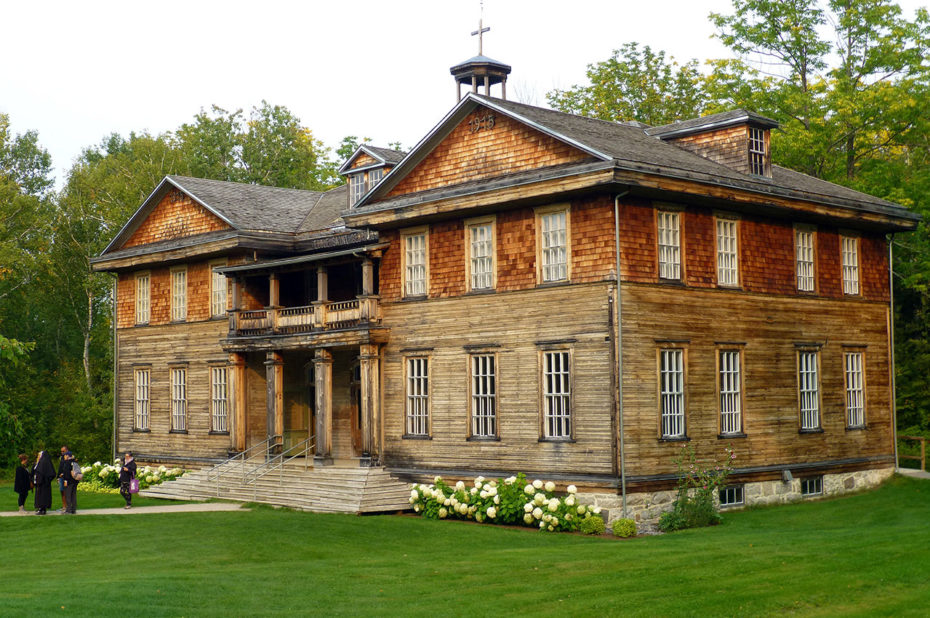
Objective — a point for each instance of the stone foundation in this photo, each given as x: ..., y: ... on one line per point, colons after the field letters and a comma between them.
x: 645, y: 508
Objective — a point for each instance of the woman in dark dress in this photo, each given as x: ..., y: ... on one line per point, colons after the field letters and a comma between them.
x: 126, y: 473
x: 22, y: 484
x: 42, y: 476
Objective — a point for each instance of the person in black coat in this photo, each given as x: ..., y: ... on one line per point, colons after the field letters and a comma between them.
x: 71, y: 483
x: 126, y: 473
x: 62, y: 464
x: 22, y: 483
x: 43, y: 473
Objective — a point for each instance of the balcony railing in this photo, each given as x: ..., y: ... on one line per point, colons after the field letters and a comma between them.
x: 319, y: 316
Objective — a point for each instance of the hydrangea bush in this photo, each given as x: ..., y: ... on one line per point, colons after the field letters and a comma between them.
x: 513, y: 500
x: 104, y: 478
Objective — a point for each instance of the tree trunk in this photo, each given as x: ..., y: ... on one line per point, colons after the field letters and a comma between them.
x: 87, y: 329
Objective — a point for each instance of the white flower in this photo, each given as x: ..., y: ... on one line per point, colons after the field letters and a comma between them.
x: 597, y: 510
x: 537, y: 484
x: 491, y: 489
x: 103, y: 474
x: 581, y: 509
x: 542, y: 524
x: 554, y: 504
x: 510, y: 480
x: 483, y: 494
x: 478, y: 484
x: 528, y: 490
x: 568, y: 517
x: 497, y: 499
x: 414, y: 493
x: 412, y: 500
x: 550, y: 486
x: 570, y: 500
x: 571, y: 489
x: 443, y: 513
x: 539, y: 499
x: 474, y: 490
x: 453, y: 501
x: 528, y: 518
x: 162, y: 469
x: 479, y: 517
x: 437, y: 479
x: 492, y: 512
x: 446, y: 502
x: 528, y: 507
x: 97, y: 463
x: 551, y: 529
x: 460, y: 486
x: 480, y: 479
x: 537, y: 513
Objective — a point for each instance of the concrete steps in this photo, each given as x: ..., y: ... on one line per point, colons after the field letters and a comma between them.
x: 329, y: 489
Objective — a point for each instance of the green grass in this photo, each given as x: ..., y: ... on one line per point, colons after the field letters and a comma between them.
x: 85, y: 501
x: 867, y: 554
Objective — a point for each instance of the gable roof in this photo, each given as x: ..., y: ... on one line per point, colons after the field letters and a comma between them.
x: 384, y: 156
x: 630, y: 148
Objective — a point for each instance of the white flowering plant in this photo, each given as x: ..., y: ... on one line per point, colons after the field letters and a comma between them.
x: 513, y: 500
x: 104, y: 478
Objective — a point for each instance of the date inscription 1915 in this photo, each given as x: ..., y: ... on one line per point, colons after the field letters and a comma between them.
x: 478, y: 123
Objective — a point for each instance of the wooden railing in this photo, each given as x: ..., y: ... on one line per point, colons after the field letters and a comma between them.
x: 922, y: 458
x: 316, y: 317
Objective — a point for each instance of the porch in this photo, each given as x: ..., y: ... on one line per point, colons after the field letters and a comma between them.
x: 320, y: 316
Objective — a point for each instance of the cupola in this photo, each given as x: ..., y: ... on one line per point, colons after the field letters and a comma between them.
x: 480, y: 71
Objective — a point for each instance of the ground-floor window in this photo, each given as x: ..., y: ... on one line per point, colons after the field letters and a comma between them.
x: 179, y: 399
x: 672, y: 392
x: 417, y: 396
x: 483, y: 395
x: 855, y: 390
x: 219, y: 399
x: 557, y: 393
x: 142, y: 380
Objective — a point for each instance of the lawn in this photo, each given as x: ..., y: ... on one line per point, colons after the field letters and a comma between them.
x: 859, y: 555
x: 85, y: 500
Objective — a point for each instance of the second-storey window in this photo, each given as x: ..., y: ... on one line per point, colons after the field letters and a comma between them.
x: 672, y: 392
x: 727, y: 252
x: 218, y: 288
x: 219, y: 399
x: 483, y: 396
x: 804, y: 258
x: 179, y: 399
x: 374, y: 177
x: 757, y: 151
x: 143, y: 296
x: 417, y: 396
x: 553, y: 245
x: 356, y: 187
x: 731, y: 405
x: 480, y: 239
x: 142, y: 405
x: 850, y: 255
x: 669, y: 232
x: 179, y: 295
x: 415, y: 257
x: 557, y: 394
x: 809, y: 389
x: 855, y: 389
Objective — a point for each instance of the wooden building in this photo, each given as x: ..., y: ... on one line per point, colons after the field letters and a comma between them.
x: 455, y: 310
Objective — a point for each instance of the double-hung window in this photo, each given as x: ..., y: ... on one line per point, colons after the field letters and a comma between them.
x: 218, y: 289
x: 757, y: 151
x: 855, y: 389
x: 142, y: 405
x: 143, y: 296
x: 178, y: 399
x: 417, y: 396
x: 553, y: 248
x: 374, y: 177
x: 668, y: 225
x: 416, y: 256
x: 849, y: 249
x: 557, y: 394
x: 479, y: 239
x: 483, y: 395
x: 179, y: 295
x: 219, y: 399
x: 356, y: 187
x: 804, y: 258
x: 730, y: 389
x: 727, y: 252
x: 809, y: 389
x: 672, y: 392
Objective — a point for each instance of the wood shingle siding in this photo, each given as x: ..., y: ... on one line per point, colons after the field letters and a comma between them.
x: 729, y: 146
x: 176, y: 216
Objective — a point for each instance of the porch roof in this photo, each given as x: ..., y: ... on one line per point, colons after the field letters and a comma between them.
x: 300, y: 259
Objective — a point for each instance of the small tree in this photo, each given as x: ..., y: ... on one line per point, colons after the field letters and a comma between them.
x: 695, y: 505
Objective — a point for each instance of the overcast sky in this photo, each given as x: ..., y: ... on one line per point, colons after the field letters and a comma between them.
x: 78, y: 71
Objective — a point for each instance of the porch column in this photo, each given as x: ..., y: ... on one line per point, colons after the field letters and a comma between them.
x: 368, y: 277
x: 237, y: 398
x: 274, y: 290
x: 323, y: 373
x: 274, y: 380
x: 236, y: 304
x: 322, y: 294
x: 369, y: 367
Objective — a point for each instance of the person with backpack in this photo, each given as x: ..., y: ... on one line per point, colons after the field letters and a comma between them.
x: 72, y: 476
x: 126, y: 473
x: 22, y: 484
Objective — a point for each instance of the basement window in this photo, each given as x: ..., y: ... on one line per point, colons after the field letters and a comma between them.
x: 731, y: 496
x: 812, y: 486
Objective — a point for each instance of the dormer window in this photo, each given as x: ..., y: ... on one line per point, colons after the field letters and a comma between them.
x: 356, y: 188
x: 374, y: 177
x: 757, y: 156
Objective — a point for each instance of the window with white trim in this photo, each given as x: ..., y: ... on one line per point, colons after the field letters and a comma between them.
x: 855, y: 389
x: 804, y: 258
x: 672, y: 392
x: 727, y: 252
x: 669, y: 236
x: 557, y: 394
x: 415, y: 257
x: 812, y: 486
x: 417, y: 396
x: 483, y: 395
x: 809, y: 389
x: 730, y: 387
x: 757, y: 151
x: 553, y: 246
x: 374, y: 177
x: 218, y: 291
x: 850, y: 257
x: 219, y: 399
x: 142, y: 379
x: 730, y: 496
x: 179, y: 399
x: 143, y: 296
x: 480, y: 238
x: 356, y: 187
x: 179, y: 295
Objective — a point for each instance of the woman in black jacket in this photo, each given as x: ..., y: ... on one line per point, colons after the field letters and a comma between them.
x: 42, y: 476
x: 126, y: 474
x: 22, y: 484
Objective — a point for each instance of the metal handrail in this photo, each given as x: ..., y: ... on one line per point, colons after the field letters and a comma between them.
x: 280, y: 460
x: 239, y: 458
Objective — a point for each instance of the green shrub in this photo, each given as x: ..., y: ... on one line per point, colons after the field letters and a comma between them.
x: 695, y: 506
x: 624, y: 528
x: 593, y: 525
